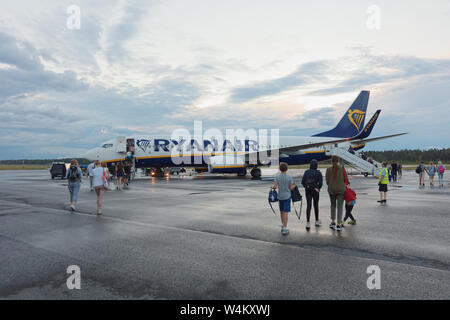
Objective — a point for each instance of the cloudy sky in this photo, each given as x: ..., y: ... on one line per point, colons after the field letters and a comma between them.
x: 148, y: 67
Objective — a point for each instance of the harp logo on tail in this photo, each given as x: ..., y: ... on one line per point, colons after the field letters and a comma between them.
x: 356, y: 117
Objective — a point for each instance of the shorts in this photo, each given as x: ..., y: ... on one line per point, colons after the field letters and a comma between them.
x: 285, y: 205
x: 383, y: 188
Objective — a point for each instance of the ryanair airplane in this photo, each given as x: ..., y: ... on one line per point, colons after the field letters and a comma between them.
x: 234, y: 157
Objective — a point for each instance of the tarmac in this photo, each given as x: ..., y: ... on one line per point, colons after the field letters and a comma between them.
x: 215, y: 237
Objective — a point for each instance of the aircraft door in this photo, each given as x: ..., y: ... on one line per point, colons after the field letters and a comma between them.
x: 121, y: 143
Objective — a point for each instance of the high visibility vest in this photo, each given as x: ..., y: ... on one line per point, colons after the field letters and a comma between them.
x: 384, y: 172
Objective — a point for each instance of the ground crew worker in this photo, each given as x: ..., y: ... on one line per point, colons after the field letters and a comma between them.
x: 383, y: 182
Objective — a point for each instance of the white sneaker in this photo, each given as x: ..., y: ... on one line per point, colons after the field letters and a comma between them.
x: 318, y: 223
x: 308, y: 226
x: 284, y: 231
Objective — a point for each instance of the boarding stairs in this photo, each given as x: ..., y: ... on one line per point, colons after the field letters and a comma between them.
x: 355, y: 160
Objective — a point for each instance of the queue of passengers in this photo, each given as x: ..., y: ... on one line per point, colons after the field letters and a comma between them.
x: 100, y: 179
x: 339, y: 190
x: 119, y: 174
x: 431, y: 170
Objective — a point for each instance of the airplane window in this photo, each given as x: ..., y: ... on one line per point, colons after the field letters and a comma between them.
x: 107, y: 145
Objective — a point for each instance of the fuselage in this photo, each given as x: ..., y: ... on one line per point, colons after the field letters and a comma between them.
x: 157, y: 151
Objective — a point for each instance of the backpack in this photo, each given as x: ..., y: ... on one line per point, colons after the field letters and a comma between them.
x: 74, y: 175
x: 273, y: 197
x: 419, y: 169
x: 441, y: 169
x: 310, y: 182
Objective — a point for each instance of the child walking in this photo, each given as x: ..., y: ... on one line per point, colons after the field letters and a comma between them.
x: 284, y: 183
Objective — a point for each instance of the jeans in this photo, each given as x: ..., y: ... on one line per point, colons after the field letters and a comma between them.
x: 441, y: 178
x: 100, y: 191
x: 339, y: 199
x: 312, y: 197
x: 74, y: 188
x: 348, y: 212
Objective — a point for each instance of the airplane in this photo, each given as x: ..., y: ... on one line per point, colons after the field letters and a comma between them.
x: 234, y: 158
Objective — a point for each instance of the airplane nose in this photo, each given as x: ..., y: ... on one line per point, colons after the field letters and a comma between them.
x: 92, y: 155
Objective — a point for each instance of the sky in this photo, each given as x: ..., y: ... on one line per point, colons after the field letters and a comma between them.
x: 149, y: 67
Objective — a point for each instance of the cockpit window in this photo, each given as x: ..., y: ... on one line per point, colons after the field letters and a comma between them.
x: 107, y: 145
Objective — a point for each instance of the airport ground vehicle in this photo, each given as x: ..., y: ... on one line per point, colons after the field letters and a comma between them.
x: 58, y: 169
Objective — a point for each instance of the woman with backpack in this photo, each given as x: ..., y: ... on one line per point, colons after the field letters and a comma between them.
x: 74, y: 175
x: 312, y: 182
x: 336, y: 189
x: 441, y: 170
x: 431, y: 170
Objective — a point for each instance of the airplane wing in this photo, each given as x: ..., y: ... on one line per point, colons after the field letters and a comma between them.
x: 362, y: 141
x: 292, y: 149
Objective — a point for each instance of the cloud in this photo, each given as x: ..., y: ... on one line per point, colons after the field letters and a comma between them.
x: 27, y: 74
x: 305, y: 74
x: 375, y: 70
x: 135, y: 70
x: 132, y: 14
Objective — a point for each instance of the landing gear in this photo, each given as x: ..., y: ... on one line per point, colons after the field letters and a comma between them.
x: 243, y: 173
x: 256, y: 173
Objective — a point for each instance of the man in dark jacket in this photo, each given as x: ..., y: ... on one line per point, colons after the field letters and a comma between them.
x: 312, y: 182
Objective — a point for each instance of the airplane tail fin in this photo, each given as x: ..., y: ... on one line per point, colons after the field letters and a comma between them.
x: 353, y: 120
x: 365, y: 133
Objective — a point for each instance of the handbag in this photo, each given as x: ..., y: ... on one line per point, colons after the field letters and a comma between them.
x: 296, y: 196
x: 105, y: 181
x: 273, y: 197
x: 350, y: 194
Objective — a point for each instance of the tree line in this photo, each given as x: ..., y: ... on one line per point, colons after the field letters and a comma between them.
x: 411, y: 156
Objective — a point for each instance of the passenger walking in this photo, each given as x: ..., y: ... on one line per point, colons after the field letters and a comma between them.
x: 394, y: 171
x: 336, y: 189
x: 120, y: 174
x: 383, y: 181
x: 431, y: 170
x: 127, y: 170
x: 400, y: 170
x: 284, y: 183
x: 421, y: 172
x: 74, y: 176
x: 112, y: 171
x: 441, y: 170
x: 350, y: 201
x: 91, y: 167
x: 99, y: 181
x: 312, y: 182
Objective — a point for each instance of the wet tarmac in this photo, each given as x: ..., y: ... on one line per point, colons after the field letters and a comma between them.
x: 215, y: 237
